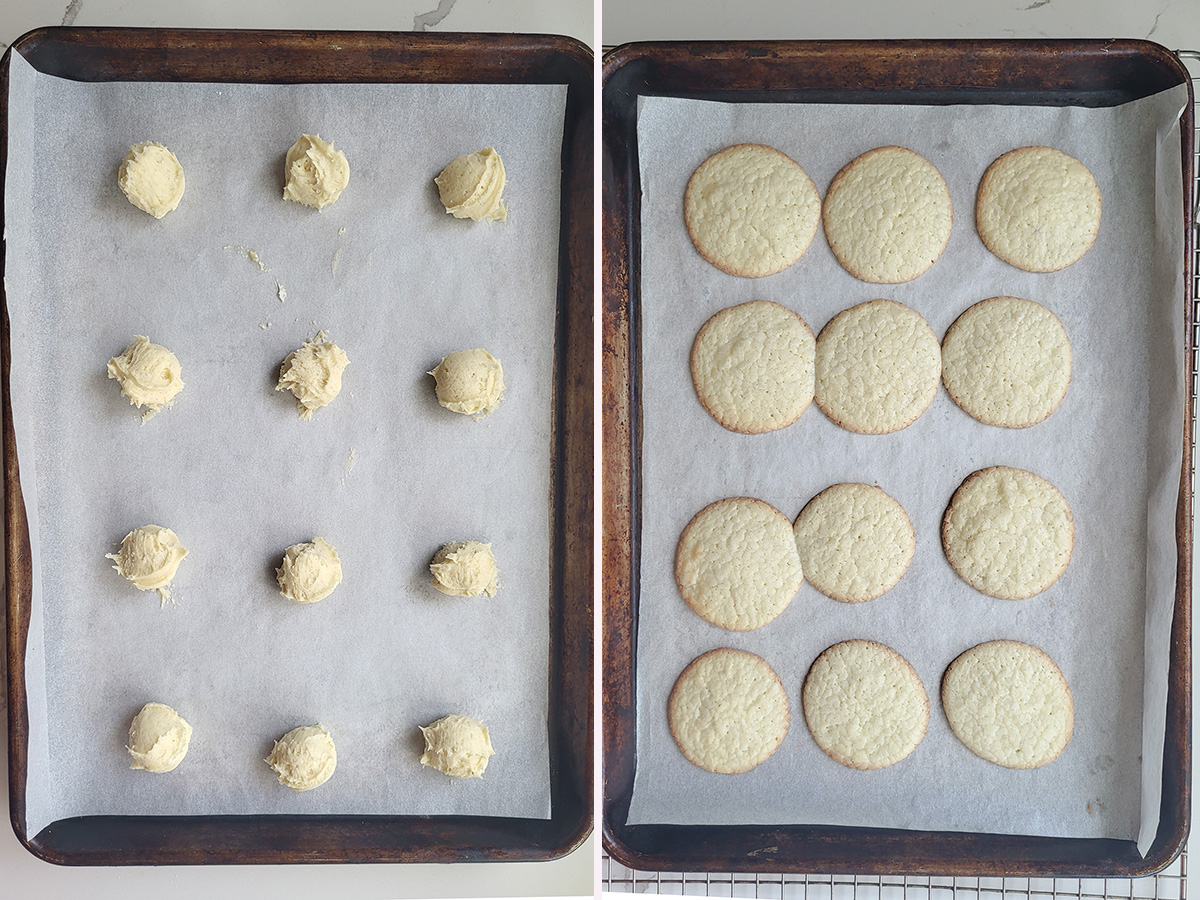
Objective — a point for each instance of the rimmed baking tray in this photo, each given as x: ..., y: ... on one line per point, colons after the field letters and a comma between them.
x: 1034, y: 73
x: 282, y: 57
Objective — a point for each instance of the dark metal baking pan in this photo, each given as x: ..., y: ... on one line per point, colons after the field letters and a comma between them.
x: 1034, y: 73
x: 265, y: 57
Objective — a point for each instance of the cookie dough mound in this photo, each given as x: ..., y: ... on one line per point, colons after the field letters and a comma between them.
x: 304, y: 758
x: 457, y: 745
x: 751, y: 210
x: 465, y: 569
x: 855, y: 542
x: 313, y: 374
x: 865, y: 705
x: 470, y: 186
x: 737, y: 565
x: 310, y: 571
x: 878, y: 367
x: 151, y: 178
x: 1007, y: 361
x: 752, y: 366
x: 1009, y: 703
x: 149, y: 558
x: 470, y: 382
x: 149, y: 375
x: 888, y: 215
x: 315, y: 173
x: 728, y: 711
x: 1008, y: 532
x: 158, y: 738
x: 1038, y: 209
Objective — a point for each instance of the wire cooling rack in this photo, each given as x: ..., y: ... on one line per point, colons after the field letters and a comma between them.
x: 1170, y: 884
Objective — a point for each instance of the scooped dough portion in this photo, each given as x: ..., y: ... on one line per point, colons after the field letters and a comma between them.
x: 470, y: 186
x: 465, y: 569
x: 304, y: 758
x: 310, y: 571
x: 151, y: 178
x: 149, y: 557
x: 470, y: 382
x: 313, y: 374
x: 457, y: 745
x: 316, y: 173
x: 149, y: 375
x: 158, y: 738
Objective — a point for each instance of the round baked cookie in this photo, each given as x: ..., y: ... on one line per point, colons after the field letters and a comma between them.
x: 878, y: 367
x: 887, y: 215
x: 1009, y: 703
x: 751, y: 210
x: 1007, y: 361
x: 752, y: 366
x: 1008, y: 532
x: 737, y: 565
x: 865, y: 705
x: 728, y: 711
x: 855, y: 542
x: 1038, y: 209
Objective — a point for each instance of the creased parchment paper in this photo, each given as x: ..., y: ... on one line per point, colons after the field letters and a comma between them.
x: 383, y: 473
x: 1113, y: 448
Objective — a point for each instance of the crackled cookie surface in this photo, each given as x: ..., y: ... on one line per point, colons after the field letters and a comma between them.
x: 737, y: 565
x: 887, y: 215
x: 751, y: 210
x: 1008, y: 532
x: 877, y: 367
x: 865, y: 705
x: 728, y: 711
x: 855, y: 542
x: 1038, y: 209
x: 1009, y: 703
x: 752, y: 366
x: 1007, y: 361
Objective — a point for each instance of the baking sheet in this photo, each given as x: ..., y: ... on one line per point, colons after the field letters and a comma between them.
x: 1113, y: 448
x: 383, y: 473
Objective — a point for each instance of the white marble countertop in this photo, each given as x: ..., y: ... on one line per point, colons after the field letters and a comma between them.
x: 26, y: 876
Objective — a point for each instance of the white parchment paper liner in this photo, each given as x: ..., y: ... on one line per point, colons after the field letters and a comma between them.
x: 1113, y: 448
x: 383, y: 473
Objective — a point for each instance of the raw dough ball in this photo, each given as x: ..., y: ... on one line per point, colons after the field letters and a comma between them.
x: 457, y: 745
x: 470, y: 382
x: 158, y: 738
x: 309, y: 572
x: 313, y: 374
x: 149, y: 375
x: 470, y: 186
x: 151, y: 178
x: 304, y: 758
x: 465, y: 569
x: 316, y: 173
x: 149, y: 557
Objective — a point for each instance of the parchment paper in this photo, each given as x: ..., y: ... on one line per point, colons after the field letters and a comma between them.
x: 1113, y: 448
x: 383, y: 473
